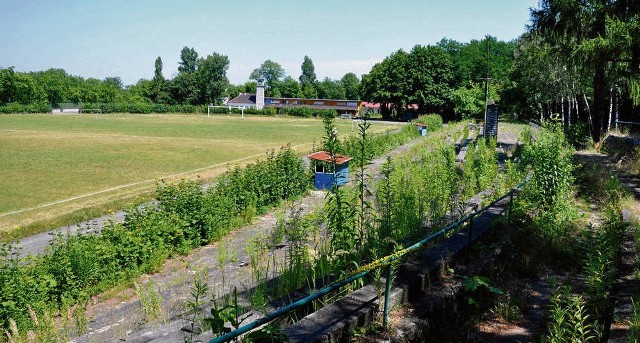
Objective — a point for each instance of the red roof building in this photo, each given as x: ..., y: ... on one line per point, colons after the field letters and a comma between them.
x: 326, y: 157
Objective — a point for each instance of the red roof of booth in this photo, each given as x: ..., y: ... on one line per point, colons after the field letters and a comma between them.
x: 325, y: 157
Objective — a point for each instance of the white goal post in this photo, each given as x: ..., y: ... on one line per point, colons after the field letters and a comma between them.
x: 241, y: 108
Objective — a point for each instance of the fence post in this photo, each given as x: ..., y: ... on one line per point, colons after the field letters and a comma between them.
x: 470, y: 232
x: 387, y: 290
x: 510, y: 205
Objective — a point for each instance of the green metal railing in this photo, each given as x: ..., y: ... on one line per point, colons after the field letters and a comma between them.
x: 365, y: 270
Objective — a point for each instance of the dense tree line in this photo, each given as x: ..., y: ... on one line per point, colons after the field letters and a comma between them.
x: 200, y: 80
x: 581, y: 61
x: 446, y: 78
x: 280, y: 85
x: 55, y: 86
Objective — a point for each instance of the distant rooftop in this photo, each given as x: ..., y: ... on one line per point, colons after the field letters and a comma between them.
x: 244, y: 98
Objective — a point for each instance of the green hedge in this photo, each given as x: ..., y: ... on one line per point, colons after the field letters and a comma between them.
x: 433, y: 121
x: 147, y: 108
x: 307, y: 112
x: 186, y: 217
x: 15, y: 107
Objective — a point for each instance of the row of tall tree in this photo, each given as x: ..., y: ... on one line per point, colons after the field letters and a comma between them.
x: 55, y: 86
x: 447, y: 78
x: 581, y: 61
x: 200, y: 80
x: 444, y: 78
x: 279, y: 84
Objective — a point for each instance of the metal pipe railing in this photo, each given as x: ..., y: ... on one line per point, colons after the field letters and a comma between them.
x: 365, y: 270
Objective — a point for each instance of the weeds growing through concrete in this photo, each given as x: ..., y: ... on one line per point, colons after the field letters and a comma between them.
x: 150, y: 301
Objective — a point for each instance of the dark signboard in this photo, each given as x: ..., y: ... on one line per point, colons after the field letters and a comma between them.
x: 491, y: 126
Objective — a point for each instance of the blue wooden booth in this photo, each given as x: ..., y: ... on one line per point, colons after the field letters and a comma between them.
x: 323, y: 166
x: 422, y: 129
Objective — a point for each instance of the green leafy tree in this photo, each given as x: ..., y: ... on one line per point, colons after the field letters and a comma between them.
x: 185, y: 89
x: 27, y: 90
x: 388, y: 83
x: 470, y: 60
x: 114, y: 81
x: 7, y: 86
x: 469, y: 100
x: 308, y: 77
x: 54, y: 84
x: 309, y: 92
x: 157, y: 72
x: 139, y: 92
x: 330, y: 89
x: 270, y: 71
x: 90, y: 91
x: 598, y: 35
x: 290, y: 88
x: 188, y: 60
x: 212, y: 77
x: 250, y: 87
x: 111, y: 89
x: 19, y: 87
x: 429, y: 70
x: 351, y: 85
x: 157, y: 92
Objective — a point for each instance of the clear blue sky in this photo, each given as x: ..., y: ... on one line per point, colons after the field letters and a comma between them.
x: 100, y: 38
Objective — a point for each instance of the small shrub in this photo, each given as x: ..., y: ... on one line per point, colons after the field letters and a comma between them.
x: 433, y: 121
x: 307, y: 112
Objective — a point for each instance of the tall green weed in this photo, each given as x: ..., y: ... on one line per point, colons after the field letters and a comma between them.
x: 548, y: 196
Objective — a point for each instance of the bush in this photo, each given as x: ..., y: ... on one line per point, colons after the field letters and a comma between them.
x: 307, y: 112
x: 432, y: 121
x: 15, y: 107
x: 550, y: 158
x: 548, y: 197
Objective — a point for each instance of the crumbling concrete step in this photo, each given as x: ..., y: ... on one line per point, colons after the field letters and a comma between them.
x: 463, y: 151
x: 625, y: 287
x: 333, y: 323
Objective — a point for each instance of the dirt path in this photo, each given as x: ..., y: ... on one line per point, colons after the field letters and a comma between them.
x: 627, y: 284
